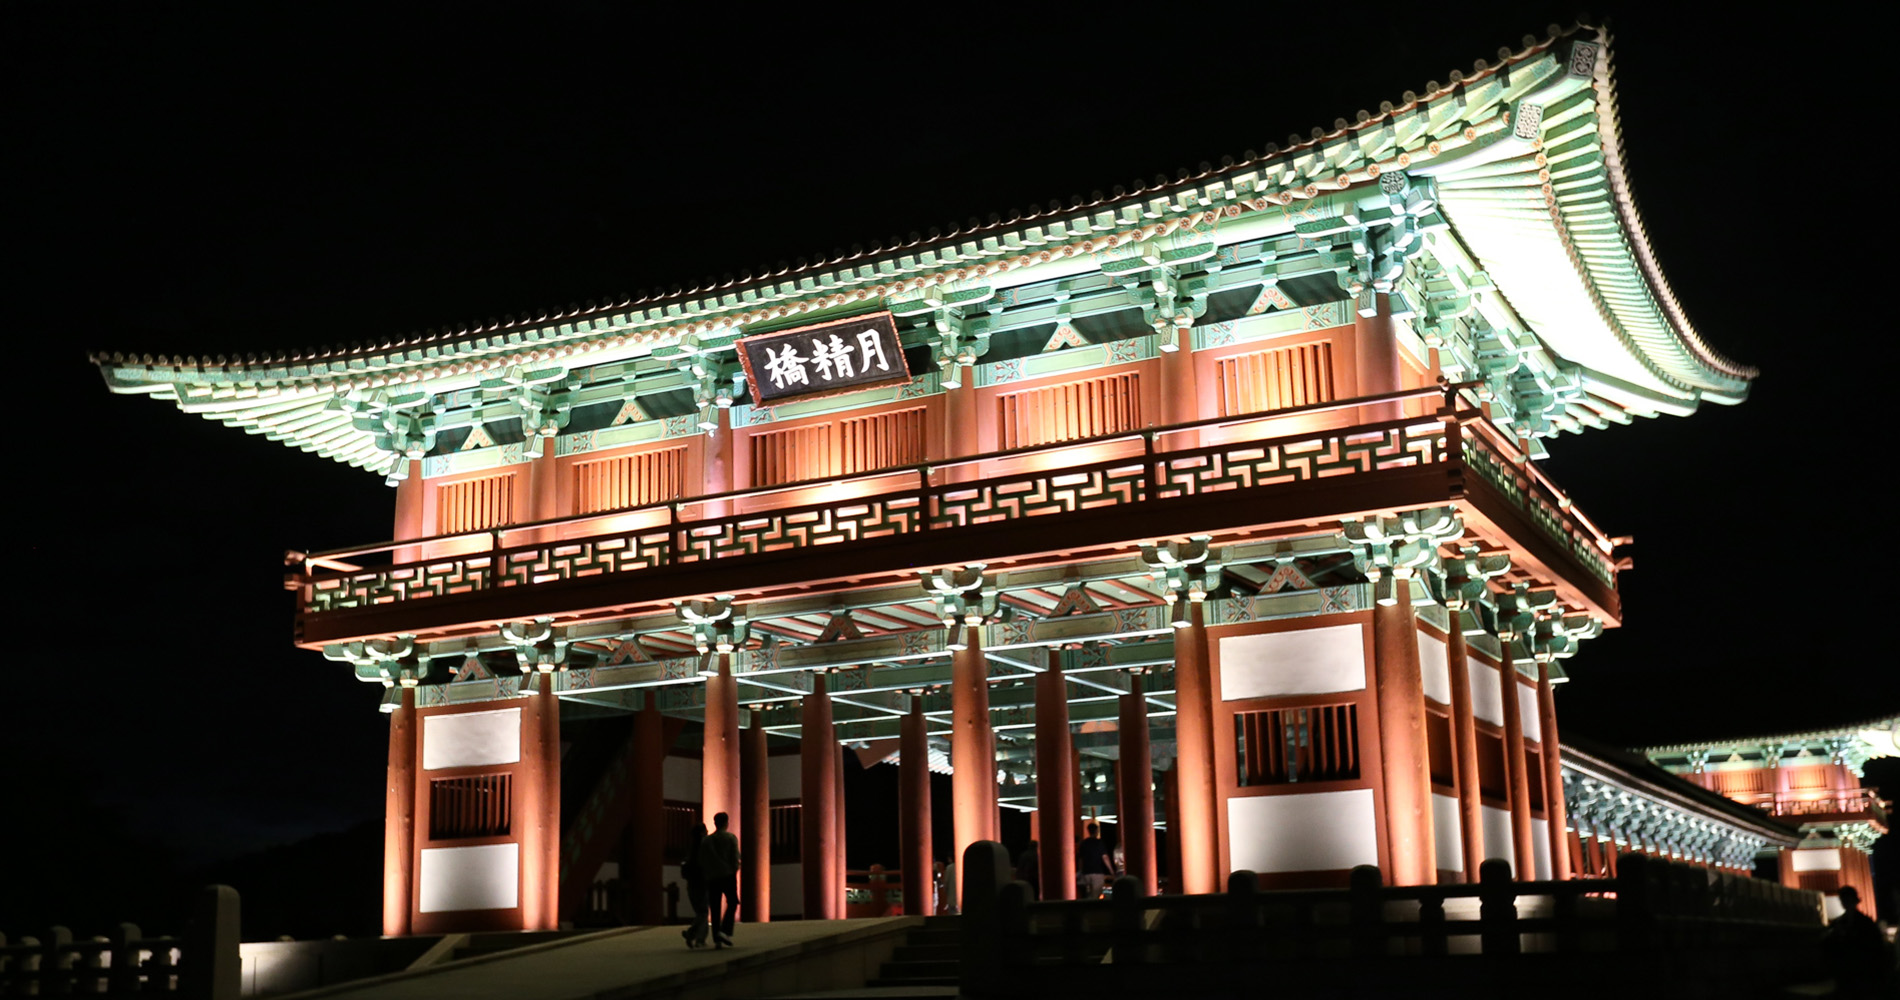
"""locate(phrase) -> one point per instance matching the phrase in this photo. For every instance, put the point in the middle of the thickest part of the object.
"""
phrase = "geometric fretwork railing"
(1526, 487)
(1139, 469)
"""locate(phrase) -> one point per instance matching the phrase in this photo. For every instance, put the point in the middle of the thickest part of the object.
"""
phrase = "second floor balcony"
(1227, 478)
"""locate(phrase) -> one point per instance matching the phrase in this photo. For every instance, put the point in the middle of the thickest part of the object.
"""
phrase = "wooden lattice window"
(1438, 744)
(1752, 781)
(791, 454)
(475, 504)
(629, 480)
(475, 806)
(1491, 772)
(1275, 379)
(1070, 411)
(1285, 745)
(1807, 777)
(1534, 775)
(844, 448)
(881, 441)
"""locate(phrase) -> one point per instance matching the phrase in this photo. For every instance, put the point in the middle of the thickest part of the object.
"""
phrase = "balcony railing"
(1840, 802)
(1161, 464)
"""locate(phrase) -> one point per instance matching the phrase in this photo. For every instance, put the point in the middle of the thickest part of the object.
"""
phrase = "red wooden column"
(718, 466)
(1180, 401)
(1197, 836)
(719, 760)
(755, 811)
(972, 752)
(1135, 787)
(1171, 802)
(1556, 813)
(541, 807)
(399, 817)
(843, 861)
(818, 802)
(913, 808)
(1376, 361)
(1055, 784)
(962, 429)
(1464, 743)
(1517, 779)
(409, 513)
(1402, 748)
(645, 852)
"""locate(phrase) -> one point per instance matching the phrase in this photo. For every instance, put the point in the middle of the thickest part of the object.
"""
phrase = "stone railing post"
(56, 961)
(1368, 910)
(1243, 911)
(124, 942)
(210, 970)
(1635, 900)
(1497, 908)
(985, 870)
(1126, 901)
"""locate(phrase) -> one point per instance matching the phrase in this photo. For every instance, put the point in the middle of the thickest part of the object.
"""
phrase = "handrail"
(923, 469)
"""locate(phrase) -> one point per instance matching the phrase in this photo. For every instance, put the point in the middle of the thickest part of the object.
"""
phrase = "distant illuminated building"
(1808, 778)
(1221, 488)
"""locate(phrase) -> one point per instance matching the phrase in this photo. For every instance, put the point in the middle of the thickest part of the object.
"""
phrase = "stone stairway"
(926, 964)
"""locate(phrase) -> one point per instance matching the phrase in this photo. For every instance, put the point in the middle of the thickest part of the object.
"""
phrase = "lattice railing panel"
(1545, 510)
(1059, 491)
(1299, 459)
(751, 534)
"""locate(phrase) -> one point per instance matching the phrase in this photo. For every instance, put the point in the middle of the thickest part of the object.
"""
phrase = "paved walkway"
(623, 962)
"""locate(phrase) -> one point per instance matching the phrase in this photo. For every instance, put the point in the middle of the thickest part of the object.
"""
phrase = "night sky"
(269, 176)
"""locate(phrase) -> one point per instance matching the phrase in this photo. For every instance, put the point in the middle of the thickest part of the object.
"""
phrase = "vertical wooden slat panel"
(1109, 404)
(1275, 379)
(475, 504)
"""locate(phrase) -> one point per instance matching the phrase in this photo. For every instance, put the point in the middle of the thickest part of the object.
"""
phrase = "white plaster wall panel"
(679, 779)
(1497, 835)
(1431, 662)
(1445, 831)
(1540, 848)
(1831, 907)
(1527, 708)
(471, 739)
(783, 776)
(1824, 859)
(1486, 702)
(1305, 661)
(469, 878)
(1323, 831)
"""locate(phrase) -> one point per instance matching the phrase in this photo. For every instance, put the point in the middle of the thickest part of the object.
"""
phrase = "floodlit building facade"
(1209, 507)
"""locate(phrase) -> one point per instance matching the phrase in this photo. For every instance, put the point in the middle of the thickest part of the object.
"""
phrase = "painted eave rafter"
(1585, 218)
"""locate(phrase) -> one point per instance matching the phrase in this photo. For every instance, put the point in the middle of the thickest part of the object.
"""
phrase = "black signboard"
(824, 359)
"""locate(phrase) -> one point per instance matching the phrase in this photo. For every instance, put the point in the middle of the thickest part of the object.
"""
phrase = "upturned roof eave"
(634, 328)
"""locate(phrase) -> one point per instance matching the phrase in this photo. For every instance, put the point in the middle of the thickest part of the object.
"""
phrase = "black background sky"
(195, 180)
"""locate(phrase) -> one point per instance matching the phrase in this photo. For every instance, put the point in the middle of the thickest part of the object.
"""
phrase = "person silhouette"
(1857, 950)
(719, 861)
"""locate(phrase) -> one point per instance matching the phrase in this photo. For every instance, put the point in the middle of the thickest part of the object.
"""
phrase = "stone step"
(926, 953)
(948, 983)
(896, 971)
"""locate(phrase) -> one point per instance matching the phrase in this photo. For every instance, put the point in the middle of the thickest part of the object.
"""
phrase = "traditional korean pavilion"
(1811, 779)
(1209, 507)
